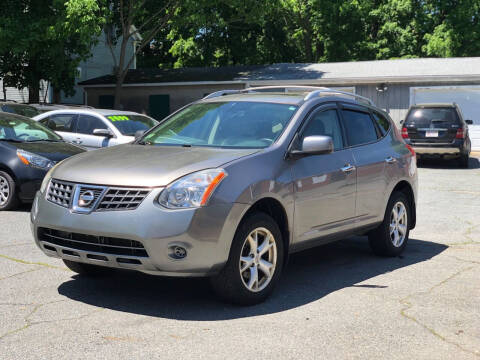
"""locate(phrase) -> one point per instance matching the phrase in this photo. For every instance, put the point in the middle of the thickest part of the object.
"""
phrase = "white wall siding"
(21, 95)
(100, 64)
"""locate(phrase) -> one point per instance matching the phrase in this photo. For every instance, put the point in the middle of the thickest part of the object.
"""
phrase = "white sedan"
(96, 128)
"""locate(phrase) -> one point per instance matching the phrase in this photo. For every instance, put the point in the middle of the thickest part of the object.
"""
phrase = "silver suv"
(229, 186)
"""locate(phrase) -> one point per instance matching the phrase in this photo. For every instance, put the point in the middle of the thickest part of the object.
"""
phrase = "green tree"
(454, 28)
(46, 40)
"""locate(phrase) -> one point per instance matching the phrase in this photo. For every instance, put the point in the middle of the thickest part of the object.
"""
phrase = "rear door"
(324, 184)
(62, 124)
(86, 124)
(432, 125)
(369, 152)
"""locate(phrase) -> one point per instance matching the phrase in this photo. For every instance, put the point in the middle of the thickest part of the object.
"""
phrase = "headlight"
(34, 160)
(192, 190)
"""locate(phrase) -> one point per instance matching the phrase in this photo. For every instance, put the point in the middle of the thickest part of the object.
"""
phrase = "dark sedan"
(27, 151)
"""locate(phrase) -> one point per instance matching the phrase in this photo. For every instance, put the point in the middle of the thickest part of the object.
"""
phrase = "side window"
(87, 123)
(359, 127)
(325, 123)
(382, 122)
(60, 122)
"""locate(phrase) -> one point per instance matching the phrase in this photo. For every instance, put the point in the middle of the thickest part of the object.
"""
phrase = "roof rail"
(222, 93)
(313, 91)
(333, 91)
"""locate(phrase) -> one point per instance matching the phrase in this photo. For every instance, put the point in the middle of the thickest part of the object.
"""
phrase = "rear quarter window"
(382, 122)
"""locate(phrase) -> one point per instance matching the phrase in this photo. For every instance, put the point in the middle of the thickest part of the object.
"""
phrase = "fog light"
(177, 252)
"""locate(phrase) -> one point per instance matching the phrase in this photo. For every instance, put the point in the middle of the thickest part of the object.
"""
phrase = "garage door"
(467, 97)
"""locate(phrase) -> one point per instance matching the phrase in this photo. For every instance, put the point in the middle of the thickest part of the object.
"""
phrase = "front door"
(84, 132)
(324, 185)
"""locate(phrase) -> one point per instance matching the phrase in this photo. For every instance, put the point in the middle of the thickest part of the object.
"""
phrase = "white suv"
(96, 128)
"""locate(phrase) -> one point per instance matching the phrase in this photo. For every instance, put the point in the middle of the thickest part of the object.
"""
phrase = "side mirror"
(103, 132)
(314, 145)
(401, 122)
(469, 122)
(139, 134)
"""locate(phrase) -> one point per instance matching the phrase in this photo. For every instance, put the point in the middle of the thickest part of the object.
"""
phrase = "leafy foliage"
(46, 40)
(229, 32)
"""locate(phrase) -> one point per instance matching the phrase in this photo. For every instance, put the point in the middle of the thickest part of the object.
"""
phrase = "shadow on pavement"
(473, 163)
(309, 276)
(23, 208)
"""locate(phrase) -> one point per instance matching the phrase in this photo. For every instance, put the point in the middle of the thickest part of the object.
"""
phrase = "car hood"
(56, 151)
(142, 165)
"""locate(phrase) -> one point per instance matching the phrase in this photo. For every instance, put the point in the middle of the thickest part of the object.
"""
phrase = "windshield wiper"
(44, 140)
(13, 140)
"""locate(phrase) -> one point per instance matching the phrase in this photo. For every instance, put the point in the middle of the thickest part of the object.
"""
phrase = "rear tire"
(391, 236)
(8, 193)
(464, 158)
(255, 262)
(88, 270)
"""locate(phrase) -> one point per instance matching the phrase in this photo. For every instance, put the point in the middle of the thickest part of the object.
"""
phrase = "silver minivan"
(229, 186)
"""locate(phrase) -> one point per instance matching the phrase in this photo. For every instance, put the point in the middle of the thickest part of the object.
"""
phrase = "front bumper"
(206, 233)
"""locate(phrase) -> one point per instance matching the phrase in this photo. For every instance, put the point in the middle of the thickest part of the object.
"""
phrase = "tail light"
(404, 133)
(411, 150)
(460, 134)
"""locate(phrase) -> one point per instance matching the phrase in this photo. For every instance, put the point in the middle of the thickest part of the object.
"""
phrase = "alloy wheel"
(398, 224)
(258, 259)
(4, 190)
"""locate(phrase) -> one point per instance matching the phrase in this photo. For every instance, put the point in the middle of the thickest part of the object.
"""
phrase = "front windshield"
(130, 124)
(19, 128)
(19, 109)
(236, 124)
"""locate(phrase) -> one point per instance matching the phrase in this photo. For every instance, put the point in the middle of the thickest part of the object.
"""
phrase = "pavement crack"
(32, 262)
(20, 273)
(408, 305)
(464, 260)
(29, 323)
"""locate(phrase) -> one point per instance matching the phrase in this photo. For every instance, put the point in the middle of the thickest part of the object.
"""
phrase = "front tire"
(391, 236)
(8, 194)
(255, 262)
(87, 270)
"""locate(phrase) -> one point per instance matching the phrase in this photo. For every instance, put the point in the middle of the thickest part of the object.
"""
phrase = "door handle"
(348, 168)
(390, 160)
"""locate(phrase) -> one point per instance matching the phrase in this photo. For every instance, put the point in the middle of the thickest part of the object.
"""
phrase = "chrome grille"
(122, 199)
(69, 195)
(60, 193)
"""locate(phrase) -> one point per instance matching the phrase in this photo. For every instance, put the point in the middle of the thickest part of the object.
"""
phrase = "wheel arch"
(9, 171)
(277, 211)
(406, 188)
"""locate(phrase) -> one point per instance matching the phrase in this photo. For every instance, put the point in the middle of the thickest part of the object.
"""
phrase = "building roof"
(402, 70)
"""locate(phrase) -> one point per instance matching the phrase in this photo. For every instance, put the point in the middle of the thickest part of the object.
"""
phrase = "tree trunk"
(34, 92)
(118, 92)
(56, 96)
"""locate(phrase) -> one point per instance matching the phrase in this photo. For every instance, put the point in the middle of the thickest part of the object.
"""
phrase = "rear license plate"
(431, 134)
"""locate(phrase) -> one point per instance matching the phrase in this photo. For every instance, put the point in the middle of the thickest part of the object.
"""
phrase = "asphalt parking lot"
(337, 301)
